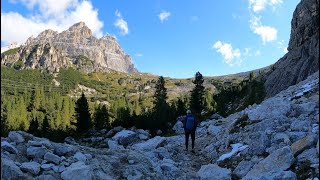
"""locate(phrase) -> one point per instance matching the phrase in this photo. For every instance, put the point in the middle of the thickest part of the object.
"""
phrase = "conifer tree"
(161, 107)
(101, 117)
(181, 109)
(197, 94)
(82, 115)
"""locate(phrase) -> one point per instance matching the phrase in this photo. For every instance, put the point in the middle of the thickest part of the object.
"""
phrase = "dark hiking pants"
(193, 136)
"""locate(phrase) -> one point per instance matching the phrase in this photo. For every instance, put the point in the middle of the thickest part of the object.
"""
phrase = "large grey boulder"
(36, 152)
(309, 154)
(64, 149)
(273, 107)
(279, 160)
(50, 157)
(9, 170)
(243, 168)
(80, 157)
(78, 171)
(214, 130)
(213, 171)
(178, 128)
(150, 144)
(14, 136)
(114, 145)
(41, 142)
(126, 137)
(257, 142)
(302, 144)
(8, 147)
(31, 167)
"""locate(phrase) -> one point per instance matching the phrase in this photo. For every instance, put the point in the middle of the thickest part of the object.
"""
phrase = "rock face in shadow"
(74, 47)
(302, 58)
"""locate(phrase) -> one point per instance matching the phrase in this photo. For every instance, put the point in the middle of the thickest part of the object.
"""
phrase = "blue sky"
(167, 37)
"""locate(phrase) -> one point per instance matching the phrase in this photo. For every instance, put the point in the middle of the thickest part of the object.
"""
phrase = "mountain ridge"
(74, 47)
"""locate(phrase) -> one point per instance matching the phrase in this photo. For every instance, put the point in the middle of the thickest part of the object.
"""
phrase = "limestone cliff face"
(302, 58)
(73, 47)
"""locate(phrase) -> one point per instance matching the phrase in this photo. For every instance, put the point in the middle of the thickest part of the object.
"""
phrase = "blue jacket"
(184, 121)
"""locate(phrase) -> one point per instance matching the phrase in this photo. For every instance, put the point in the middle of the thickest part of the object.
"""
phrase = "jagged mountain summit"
(74, 47)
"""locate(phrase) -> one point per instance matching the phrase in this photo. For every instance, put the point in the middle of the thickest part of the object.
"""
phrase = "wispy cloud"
(139, 54)
(267, 33)
(282, 46)
(260, 5)
(57, 15)
(121, 24)
(231, 56)
(164, 15)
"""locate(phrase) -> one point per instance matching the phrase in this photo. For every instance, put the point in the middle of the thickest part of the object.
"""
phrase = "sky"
(171, 38)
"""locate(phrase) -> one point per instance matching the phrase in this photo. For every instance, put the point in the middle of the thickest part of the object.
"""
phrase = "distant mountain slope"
(303, 56)
(75, 47)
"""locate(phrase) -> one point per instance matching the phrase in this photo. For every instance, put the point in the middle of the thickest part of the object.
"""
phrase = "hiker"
(189, 125)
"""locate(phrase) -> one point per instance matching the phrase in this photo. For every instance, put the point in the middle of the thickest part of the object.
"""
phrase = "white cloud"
(266, 33)
(258, 53)
(282, 46)
(139, 54)
(231, 56)
(164, 15)
(121, 24)
(259, 5)
(57, 15)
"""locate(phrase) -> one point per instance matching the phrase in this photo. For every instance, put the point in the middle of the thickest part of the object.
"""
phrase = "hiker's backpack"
(190, 123)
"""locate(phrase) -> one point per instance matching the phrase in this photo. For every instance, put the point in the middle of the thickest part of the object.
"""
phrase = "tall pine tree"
(82, 115)
(101, 118)
(197, 94)
(161, 107)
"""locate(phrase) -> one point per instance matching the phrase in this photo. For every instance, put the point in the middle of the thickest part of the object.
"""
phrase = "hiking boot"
(186, 150)
(193, 151)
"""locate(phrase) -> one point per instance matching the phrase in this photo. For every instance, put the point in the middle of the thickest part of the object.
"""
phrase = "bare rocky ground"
(276, 139)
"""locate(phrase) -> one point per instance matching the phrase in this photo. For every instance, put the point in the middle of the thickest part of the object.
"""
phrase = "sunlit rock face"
(75, 47)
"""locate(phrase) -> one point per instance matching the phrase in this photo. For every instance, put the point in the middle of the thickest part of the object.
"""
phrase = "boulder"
(213, 171)
(78, 171)
(302, 144)
(273, 107)
(64, 149)
(258, 142)
(9, 170)
(8, 147)
(214, 130)
(46, 167)
(70, 140)
(243, 168)
(114, 146)
(36, 152)
(50, 157)
(42, 142)
(178, 128)
(80, 157)
(300, 125)
(125, 137)
(309, 154)
(14, 136)
(45, 177)
(150, 144)
(283, 175)
(31, 167)
(216, 116)
(279, 160)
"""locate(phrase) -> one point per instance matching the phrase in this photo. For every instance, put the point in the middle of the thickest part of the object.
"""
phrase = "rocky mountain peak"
(305, 23)
(51, 50)
(303, 57)
(80, 29)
